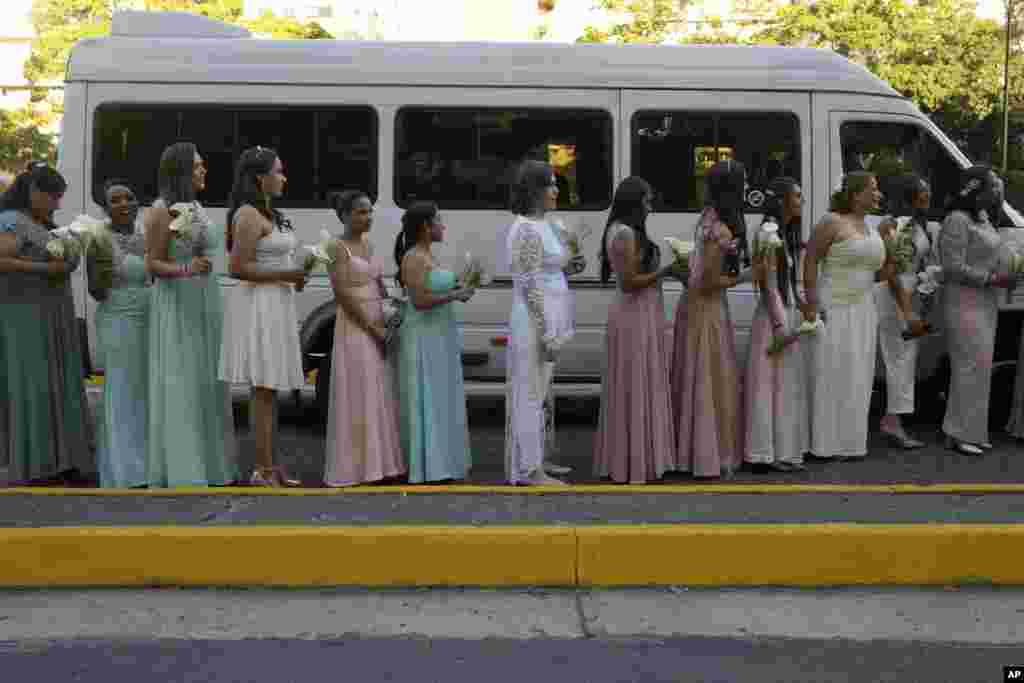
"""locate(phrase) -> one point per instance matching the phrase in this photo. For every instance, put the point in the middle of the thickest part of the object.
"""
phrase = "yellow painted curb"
(675, 489)
(800, 555)
(686, 554)
(286, 556)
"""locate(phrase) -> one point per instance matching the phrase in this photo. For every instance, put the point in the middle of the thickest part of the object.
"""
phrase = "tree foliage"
(636, 21)
(22, 141)
(59, 24)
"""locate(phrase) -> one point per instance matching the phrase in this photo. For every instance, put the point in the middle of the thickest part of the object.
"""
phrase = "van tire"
(1000, 403)
(323, 388)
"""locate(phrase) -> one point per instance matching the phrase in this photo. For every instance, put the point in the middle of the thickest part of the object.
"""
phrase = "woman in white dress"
(540, 323)
(261, 336)
(843, 354)
(900, 321)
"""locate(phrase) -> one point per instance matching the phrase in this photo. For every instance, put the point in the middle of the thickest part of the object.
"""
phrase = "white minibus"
(450, 122)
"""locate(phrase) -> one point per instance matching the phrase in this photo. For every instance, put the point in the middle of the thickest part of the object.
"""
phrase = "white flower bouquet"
(473, 273)
(805, 329)
(768, 241)
(576, 237)
(322, 255)
(394, 314)
(189, 225)
(929, 280)
(681, 251)
(64, 248)
(900, 245)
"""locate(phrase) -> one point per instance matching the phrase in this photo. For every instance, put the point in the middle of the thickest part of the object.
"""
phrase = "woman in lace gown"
(540, 323)
(432, 415)
(775, 391)
(260, 347)
(705, 375)
(118, 282)
(843, 354)
(44, 430)
(191, 436)
(899, 308)
(362, 422)
(635, 435)
(970, 305)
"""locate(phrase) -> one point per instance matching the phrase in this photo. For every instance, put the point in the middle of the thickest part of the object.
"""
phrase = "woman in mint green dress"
(44, 433)
(191, 438)
(118, 282)
(432, 416)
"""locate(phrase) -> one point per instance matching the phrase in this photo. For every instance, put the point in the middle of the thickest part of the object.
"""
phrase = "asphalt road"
(301, 448)
(426, 660)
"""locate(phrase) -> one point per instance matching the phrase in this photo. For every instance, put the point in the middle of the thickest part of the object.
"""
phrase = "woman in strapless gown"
(842, 356)
(362, 423)
(432, 416)
(261, 336)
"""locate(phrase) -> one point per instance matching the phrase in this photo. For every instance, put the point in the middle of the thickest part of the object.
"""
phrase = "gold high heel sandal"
(263, 476)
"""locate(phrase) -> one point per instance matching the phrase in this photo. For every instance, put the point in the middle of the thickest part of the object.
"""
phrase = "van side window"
(323, 149)
(466, 158)
(889, 149)
(673, 150)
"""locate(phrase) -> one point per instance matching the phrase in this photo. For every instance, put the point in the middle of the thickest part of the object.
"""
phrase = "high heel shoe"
(281, 476)
(264, 476)
(904, 440)
(962, 447)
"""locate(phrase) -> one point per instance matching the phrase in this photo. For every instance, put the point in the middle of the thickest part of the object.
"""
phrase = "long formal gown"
(970, 254)
(432, 415)
(122, 336)
(363, 443)
(541, 309)
(44, 425)
(635, 436)
(842, 357)
(191, 438)
(261, 334)
(899, 354)
(706, 379)
(775, 388)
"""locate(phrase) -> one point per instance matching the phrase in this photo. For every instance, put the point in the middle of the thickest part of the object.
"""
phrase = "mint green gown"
(432, 416)
(191, 439)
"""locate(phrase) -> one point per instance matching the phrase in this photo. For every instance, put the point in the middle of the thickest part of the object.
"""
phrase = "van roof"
(149, 51)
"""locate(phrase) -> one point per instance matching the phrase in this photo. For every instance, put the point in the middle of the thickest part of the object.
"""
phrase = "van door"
(671, 139)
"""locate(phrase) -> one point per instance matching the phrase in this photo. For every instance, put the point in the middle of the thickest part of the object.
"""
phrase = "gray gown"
(970, 254)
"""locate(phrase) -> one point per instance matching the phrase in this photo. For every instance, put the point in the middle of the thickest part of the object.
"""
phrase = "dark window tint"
(466, 158)
(889, 149)
(322, 149)
(673, 150)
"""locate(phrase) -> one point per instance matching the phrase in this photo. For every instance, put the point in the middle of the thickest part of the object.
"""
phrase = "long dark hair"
(775, 197)
(37, 175)
(725, 185)
(532, 178)
(254, 162)
(412, 220)
(343, 202)
(908, 186)
(174, 178)
(628, 209)
(973, 182)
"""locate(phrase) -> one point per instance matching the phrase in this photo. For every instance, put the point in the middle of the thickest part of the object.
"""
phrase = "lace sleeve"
(529, 255)
(954, 241)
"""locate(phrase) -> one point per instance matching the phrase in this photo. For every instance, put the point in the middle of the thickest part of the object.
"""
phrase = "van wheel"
(323, 387)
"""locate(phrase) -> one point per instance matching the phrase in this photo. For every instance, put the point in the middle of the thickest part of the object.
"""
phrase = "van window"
(323, 149)
(889, 149)
(673, 150)
(466, 158)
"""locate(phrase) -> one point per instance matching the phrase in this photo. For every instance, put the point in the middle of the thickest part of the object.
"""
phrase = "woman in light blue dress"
(191, 439)
(118, 281)
(432, 416)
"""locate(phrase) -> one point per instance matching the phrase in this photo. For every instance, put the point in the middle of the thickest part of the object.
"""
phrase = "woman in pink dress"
(362, 423)
(705, 377)
(775, 394)
(635, 437)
